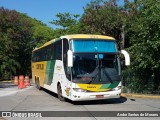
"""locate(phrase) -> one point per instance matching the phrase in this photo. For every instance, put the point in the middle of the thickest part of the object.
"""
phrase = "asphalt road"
(31, 99)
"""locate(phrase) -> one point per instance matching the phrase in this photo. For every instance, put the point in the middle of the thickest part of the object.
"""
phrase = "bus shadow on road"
(95, 102)
(50, 92)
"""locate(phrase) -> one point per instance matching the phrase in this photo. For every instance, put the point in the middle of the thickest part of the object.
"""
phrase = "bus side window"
(58, 50)
(49, 52)
(65, 49)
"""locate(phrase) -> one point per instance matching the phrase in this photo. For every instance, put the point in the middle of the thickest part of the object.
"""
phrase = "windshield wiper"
(91, 75)
(96, 73)
(108, 76)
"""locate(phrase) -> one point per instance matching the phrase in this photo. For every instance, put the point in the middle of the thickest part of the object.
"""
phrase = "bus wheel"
(59, 90)
(38, 85)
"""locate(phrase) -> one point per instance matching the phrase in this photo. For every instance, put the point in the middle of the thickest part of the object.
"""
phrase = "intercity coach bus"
(79, 67)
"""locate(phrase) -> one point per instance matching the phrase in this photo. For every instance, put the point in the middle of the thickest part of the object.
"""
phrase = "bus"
(79, 67)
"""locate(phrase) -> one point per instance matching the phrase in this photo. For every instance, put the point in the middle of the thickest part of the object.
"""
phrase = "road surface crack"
(19, 104)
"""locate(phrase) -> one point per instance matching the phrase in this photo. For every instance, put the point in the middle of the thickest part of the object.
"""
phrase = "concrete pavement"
(31, 99)
(10, 89)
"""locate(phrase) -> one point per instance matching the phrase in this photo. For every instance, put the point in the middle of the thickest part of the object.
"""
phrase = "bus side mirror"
(126, 56)
(70, 58)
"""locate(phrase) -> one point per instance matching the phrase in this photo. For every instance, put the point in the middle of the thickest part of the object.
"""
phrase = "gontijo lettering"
(40, 66)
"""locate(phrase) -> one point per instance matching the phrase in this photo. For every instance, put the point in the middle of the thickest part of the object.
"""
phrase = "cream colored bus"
(79, 67)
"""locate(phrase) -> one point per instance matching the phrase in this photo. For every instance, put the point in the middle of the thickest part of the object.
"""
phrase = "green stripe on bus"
(104, 86)
(49, 72)
(113, 85)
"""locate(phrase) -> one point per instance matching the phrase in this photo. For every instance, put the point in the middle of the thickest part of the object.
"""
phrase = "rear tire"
(59, 90)
(37, 84)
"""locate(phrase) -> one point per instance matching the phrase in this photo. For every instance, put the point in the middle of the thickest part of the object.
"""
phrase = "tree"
(141, 22)
(42, 33)
(67, 23)
(17, 33)
(103, 17)
(144, 36)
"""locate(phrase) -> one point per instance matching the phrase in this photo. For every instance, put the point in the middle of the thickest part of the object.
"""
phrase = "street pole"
(123, 36)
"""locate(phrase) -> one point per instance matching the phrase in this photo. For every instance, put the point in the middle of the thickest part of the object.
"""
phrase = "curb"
(140, 96)
(7, 81)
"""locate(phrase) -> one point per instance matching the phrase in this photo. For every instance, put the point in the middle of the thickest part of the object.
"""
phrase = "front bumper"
(83, 96)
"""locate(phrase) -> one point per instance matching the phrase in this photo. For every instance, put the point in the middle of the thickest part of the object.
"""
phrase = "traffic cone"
(27, 81)
(21, 82)
(16, 80)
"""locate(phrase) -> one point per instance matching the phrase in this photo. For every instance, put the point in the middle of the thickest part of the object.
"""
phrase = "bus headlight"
(79, 90)
(117, 88)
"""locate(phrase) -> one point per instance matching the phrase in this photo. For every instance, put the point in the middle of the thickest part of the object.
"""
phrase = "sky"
(45, 10)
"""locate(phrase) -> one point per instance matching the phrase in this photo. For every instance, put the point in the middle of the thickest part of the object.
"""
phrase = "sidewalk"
(8, 91)
(6, 84)
(9, 88)
(12, 91)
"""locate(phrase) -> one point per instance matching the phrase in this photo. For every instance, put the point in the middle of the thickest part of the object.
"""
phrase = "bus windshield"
(92, 64)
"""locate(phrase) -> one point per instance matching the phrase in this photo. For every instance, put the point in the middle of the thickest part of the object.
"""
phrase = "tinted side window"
(51, 52)
(58, 50)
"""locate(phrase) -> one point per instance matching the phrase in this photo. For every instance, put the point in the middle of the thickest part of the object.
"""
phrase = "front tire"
(59, 90)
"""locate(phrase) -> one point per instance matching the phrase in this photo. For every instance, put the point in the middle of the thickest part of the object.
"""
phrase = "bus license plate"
(99, 96)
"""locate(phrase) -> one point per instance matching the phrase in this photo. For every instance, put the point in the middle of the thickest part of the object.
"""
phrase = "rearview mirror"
(70, 58)
(126, 56)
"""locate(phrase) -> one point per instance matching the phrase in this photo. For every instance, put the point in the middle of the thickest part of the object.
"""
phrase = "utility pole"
(123, 36)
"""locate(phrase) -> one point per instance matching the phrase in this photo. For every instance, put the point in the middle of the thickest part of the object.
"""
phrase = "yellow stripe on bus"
(92, 87)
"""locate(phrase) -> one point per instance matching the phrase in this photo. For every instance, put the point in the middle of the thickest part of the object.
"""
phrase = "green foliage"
(42, 34)
(67, 23)
(103, 17)
(136, 84)
(17, 33)
(14, 39)
(65, 20)
(145, 43)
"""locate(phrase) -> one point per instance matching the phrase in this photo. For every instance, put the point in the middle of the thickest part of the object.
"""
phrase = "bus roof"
(87, 36)
(45, 44)
(77, 36)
